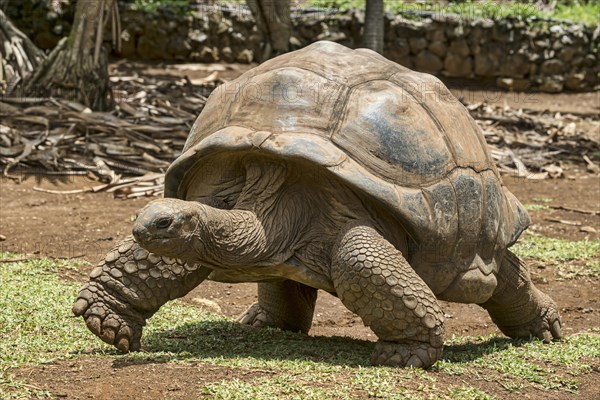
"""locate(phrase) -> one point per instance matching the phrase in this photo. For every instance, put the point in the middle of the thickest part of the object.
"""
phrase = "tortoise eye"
(163, 222)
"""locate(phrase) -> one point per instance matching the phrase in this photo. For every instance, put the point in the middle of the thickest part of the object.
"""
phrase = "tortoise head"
(193, 231)
(171, 227)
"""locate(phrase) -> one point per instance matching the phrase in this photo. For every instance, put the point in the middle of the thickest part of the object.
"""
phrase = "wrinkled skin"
(518, 308)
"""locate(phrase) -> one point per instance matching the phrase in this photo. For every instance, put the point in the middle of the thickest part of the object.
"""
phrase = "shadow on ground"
(230, 340)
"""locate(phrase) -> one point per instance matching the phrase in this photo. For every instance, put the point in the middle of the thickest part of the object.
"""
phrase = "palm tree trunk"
(373, 31)
(274, 21)
(77, 68)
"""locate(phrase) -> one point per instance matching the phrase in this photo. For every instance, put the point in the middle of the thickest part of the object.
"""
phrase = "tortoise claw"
(546, 326)
(257, 317)
(80, 307)
(94, 324)
(123, 345)
(408, 354)
(120, 329)
(556, 329)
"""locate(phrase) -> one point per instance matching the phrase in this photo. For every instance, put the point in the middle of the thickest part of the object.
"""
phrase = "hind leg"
(373, 279)
(286, 305)
(519, 308)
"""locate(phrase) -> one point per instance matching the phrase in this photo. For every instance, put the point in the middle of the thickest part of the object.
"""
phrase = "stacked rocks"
(539, 54)
(516, 54)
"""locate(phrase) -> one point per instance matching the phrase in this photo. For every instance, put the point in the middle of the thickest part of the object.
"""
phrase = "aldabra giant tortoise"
(333, 169)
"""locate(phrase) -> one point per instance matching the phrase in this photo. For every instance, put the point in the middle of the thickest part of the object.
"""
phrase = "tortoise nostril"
(163, 222)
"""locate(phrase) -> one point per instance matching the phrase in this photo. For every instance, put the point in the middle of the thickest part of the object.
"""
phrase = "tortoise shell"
(395, 135)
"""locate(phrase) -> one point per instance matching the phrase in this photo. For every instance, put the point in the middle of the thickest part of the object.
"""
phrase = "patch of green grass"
(10, 388)
(524, 362)
(541, 204)
(464, 9)
(583, 12)
(571, 271)
(372, 383)
(572, 258)
(221, 341)
(389, 383)
(283, 386)
(469, 393)
(342, 5)
(153, 6)
(553, 249)
(513, 364)
(36, 327)
(577, 11)
(536, 207)
(485, 9)
(35, 322)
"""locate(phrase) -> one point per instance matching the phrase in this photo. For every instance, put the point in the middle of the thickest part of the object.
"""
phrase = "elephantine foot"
(109, 318)
(520, 309)
(545, 326)
(257, 317)
(409, 354)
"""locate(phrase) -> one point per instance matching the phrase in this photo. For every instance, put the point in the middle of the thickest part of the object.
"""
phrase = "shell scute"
(462, 135)
(467, 186)
(287, 100)
(392, 135)
(443, 207)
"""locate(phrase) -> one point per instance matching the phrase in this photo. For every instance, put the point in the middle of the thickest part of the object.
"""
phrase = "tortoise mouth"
(165, 245)
(144, 237)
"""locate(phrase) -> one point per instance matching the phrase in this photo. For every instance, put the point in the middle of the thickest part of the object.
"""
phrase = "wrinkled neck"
(233, 238)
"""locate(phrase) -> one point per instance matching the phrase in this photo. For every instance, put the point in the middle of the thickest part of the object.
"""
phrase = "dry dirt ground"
(87, 226)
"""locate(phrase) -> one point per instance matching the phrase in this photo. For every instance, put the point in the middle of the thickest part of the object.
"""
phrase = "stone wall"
(543, 55)
(517, 54)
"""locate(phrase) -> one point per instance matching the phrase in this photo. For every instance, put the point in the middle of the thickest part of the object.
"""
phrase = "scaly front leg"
(128, 287)
(373, 279)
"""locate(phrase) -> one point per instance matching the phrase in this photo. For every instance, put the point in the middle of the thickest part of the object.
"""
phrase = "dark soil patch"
(103, 378)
